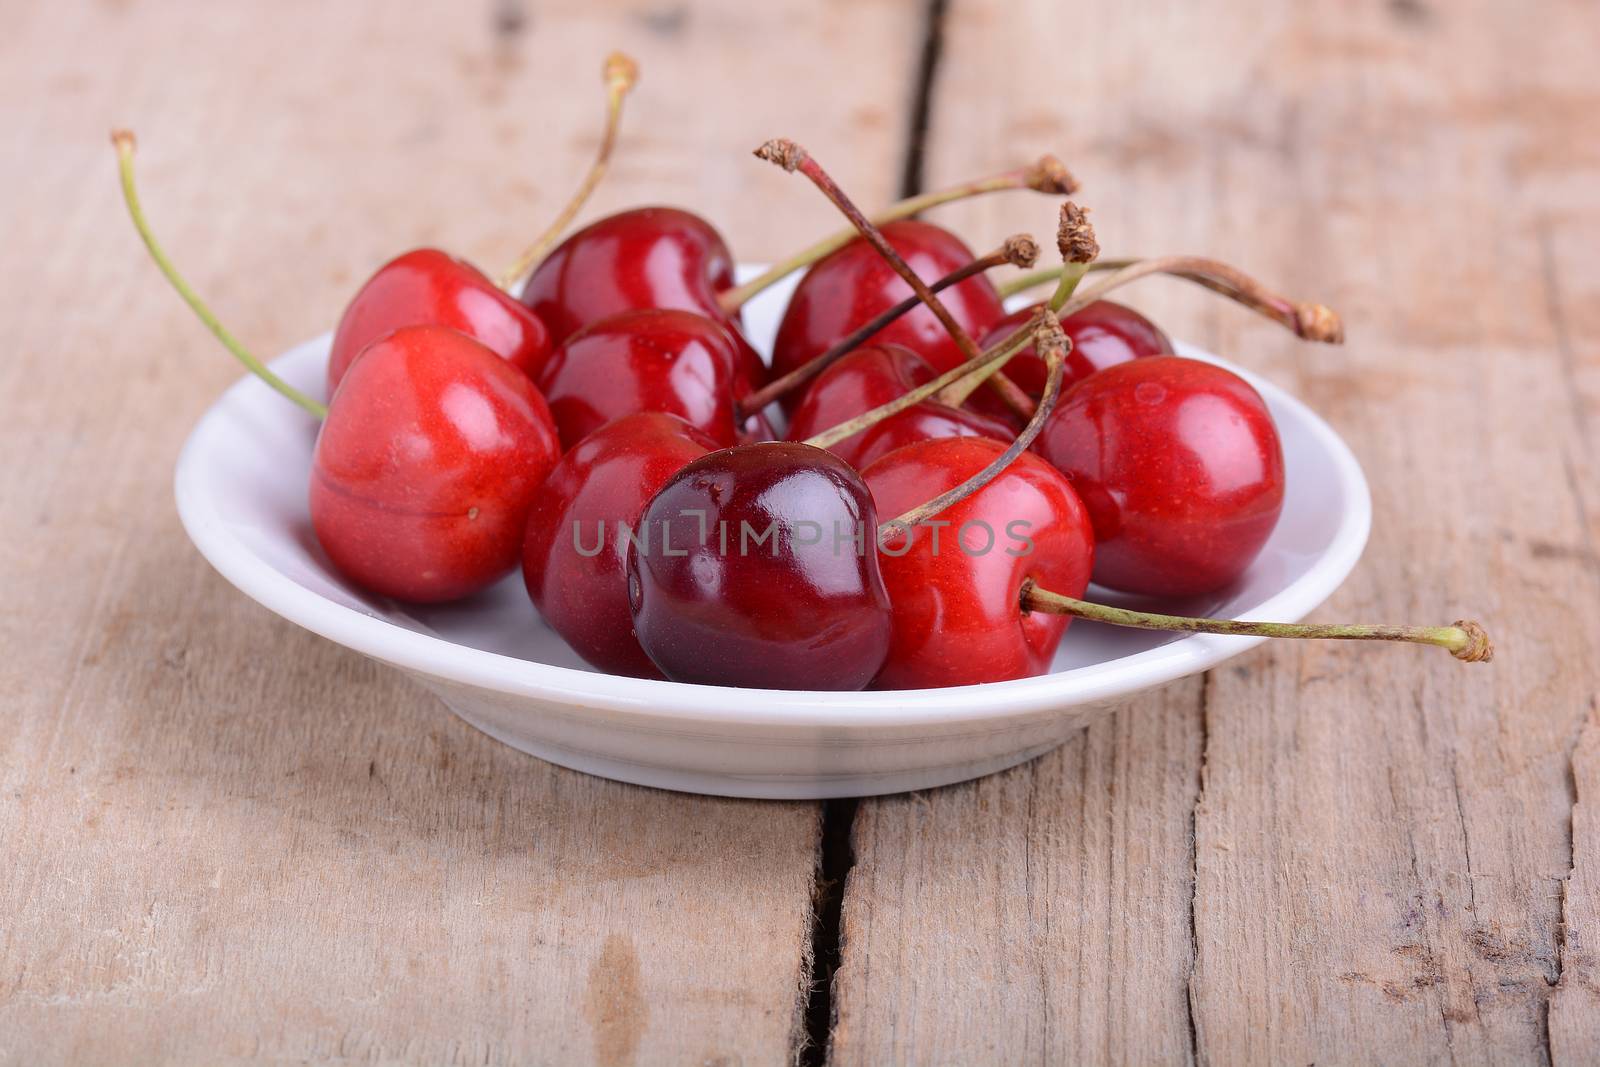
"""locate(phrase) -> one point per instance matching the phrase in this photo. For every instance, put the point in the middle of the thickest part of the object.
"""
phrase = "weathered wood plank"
(226, 839)
(1024, 917)
(1382, 835)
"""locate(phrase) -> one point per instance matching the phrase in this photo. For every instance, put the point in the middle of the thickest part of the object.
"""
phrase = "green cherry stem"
(1076, 241)
(1018, 250)
(1052, 345)
(1466, 640)
(621, 74)
(125, 144)
(1044, 175)
(1034, 278)
(1010, 346)
(1307, 320)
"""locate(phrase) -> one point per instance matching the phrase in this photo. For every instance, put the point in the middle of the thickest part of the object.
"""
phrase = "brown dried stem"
(1018, 250)
(791, 157)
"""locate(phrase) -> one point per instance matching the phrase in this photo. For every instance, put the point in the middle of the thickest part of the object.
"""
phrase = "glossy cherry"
(853, 284)
(649, 257)
(1103, 334)
(429, 287)
(658, 359)
(876, 375)
(759, 571)
(1180, 467)
(574, 554)
(426, 466)
(956, 586)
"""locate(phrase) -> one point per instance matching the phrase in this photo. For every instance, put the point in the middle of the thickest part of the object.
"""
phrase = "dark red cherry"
(956, 586)
(426, 466)
(658, 359)
(849, 287)
(755, 568)
(1103, 334)
(1179, 464)
(870, 377)
(573, 556)
(426, 287)
(649, 257)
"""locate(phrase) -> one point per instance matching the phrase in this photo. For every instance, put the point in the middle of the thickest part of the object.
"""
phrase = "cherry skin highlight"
(426, 466)
(574, 554)
(1180, 467)
(760, 572)
(1103, 334)
(956, 589)
(870, 377)
(657, 359)
(427, 287)
(649, 257)
(849, 287)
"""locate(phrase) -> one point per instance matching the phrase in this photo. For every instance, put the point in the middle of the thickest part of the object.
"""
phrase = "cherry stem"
(1045, 175)
(1023, 282)
(1466, 640)
(792, 157)
(1052, 344)
(125, 144)
(1307, 320)
(1076, 241)
(1018, 250)
(621, 74)
(1019, 339)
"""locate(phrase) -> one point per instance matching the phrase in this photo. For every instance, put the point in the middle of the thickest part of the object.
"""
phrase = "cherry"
(754, 567)
(649, 257)
(876, 375)
(426, 286)
(426, 467)
(955, 584)
(1179, 465)
(1018, 250)
(853, 284)
(429, 452)
(1102, 334)
(655, 359)
(574, 554)
(429, 286)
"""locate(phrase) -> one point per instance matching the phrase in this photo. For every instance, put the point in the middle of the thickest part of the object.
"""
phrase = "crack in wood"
(835, 857)
(835, 852)
(1194, 870)
(911, 177)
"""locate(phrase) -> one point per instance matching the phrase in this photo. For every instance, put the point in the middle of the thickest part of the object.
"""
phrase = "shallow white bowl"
(241, 491)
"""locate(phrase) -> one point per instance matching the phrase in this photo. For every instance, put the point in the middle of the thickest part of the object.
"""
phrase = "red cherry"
(956, 588)
(657, 359)
(869, 377)
(427, 464)
(1179, 464)
(853, 284)
(573, 556)
(1103, 334)
(427, 287)
(649, 257)
(757, 570)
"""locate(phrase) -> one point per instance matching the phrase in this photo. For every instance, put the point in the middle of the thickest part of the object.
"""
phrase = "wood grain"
(226, 839)
(1386, 863)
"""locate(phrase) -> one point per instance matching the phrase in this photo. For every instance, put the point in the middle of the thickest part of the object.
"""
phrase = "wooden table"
(224, 839)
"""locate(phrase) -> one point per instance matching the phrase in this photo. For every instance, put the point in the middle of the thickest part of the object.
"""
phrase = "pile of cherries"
(948, 480)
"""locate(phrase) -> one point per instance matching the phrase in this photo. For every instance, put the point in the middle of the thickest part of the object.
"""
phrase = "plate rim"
(676, 702)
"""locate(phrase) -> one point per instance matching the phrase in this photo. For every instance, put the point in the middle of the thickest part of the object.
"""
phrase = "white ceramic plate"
(241, 491)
